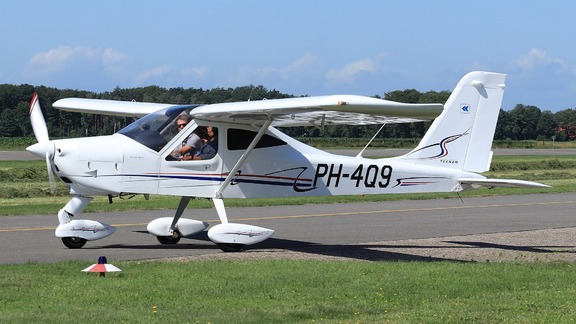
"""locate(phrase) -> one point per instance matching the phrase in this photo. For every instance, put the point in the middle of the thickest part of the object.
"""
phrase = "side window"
(200, 144)
(190, 144)
(239, 139)
(210, 147)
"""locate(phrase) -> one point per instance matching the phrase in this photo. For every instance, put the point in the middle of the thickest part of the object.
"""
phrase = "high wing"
(109, 107)
(304, 111)
(318, 111)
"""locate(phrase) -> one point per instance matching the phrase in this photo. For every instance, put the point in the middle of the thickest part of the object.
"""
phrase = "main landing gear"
(231, 247)
(229, 237)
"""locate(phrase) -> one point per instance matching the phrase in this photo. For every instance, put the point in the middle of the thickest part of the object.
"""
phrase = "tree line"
(523, 122)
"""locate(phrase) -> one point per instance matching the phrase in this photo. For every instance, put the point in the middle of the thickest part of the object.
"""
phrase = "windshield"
(156, 129)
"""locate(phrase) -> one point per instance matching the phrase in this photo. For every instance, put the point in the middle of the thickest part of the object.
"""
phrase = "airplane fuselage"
(115, 164)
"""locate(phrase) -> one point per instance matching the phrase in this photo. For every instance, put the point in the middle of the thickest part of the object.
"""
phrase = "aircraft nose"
(40, 149)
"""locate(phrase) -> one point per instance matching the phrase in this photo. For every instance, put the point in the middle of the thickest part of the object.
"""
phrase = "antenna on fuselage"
(251, 92)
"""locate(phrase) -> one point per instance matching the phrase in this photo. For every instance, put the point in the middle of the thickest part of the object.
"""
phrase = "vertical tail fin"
(461, 137)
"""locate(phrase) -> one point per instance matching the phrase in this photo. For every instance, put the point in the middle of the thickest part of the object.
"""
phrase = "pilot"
(190, 144)
(208, 150)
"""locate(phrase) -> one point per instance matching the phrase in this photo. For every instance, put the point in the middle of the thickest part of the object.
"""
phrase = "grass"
(290, 291)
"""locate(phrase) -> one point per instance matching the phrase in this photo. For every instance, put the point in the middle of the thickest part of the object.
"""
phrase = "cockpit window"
(156, 129)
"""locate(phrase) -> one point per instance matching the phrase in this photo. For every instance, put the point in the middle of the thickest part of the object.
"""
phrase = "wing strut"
(373, 137)
(243, 158)
(221, 210)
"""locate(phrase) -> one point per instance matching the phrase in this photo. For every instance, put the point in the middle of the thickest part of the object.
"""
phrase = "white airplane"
(255, 159)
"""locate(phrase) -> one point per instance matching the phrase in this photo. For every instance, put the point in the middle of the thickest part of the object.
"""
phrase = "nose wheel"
(73, 242)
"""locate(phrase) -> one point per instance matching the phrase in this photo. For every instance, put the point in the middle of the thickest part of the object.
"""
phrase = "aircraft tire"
(168, 239)
(73, 242)
(231, 247)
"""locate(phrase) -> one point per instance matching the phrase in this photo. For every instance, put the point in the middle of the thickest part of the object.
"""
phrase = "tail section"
(461, 137)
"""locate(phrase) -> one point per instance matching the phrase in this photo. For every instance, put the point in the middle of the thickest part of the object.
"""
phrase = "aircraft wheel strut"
(73, 242)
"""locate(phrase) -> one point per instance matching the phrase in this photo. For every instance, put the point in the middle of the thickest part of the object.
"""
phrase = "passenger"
(190, 144)
(208, 150)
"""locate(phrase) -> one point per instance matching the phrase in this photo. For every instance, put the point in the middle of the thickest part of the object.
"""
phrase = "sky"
(299, 47)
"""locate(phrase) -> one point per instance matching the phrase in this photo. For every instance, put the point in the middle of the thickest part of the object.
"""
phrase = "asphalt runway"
(325, 229)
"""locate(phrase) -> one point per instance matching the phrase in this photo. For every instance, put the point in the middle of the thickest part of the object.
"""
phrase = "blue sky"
(300, 47)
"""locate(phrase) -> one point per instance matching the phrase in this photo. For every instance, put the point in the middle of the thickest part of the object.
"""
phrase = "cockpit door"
(197, 178)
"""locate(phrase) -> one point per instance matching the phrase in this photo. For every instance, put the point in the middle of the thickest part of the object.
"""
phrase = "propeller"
(44, 148)
(37, 120)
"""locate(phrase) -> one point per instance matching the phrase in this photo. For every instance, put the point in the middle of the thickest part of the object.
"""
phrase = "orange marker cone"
(102, 267)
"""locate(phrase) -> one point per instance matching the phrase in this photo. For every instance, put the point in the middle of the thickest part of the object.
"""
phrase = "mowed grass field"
(285, 291)
(289, 291)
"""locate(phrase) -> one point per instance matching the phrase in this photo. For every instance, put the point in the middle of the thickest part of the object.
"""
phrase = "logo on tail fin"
(465, 108)
(442, 146)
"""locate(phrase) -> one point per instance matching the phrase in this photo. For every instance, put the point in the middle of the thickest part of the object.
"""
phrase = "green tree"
(502, 131)
(405, 96)
(8, 125)
(523, 121)
(565, 124)
(546, 126)
(434, 97)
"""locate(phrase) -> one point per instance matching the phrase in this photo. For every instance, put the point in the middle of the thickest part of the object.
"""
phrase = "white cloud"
(157, 72)
(63, 58)
(301, 64)
(63, 54)
(57, 59)
(110, 56)
(538, 58)
(350, 71)
(199, 72)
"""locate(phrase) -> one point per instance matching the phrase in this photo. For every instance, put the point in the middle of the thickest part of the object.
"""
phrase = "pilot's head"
(182, 121)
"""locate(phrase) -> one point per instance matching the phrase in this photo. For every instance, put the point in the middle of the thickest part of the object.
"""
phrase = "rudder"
(461, 137)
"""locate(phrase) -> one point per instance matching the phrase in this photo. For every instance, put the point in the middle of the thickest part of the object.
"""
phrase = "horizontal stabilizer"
(492, 183)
